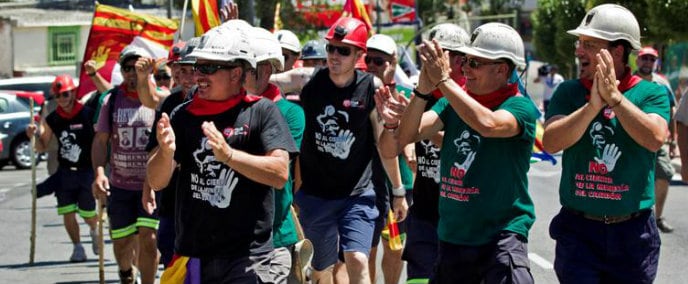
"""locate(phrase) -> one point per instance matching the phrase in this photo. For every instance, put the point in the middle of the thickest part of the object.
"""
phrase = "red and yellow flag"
(205, 14)
(356, 9)
(112, 29)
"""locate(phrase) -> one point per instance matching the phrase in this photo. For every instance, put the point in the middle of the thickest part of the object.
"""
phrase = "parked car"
(15, 115)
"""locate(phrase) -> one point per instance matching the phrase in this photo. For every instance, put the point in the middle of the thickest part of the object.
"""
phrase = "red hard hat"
(176, 52)
(648, 50)
(63, 83)
(350, 31)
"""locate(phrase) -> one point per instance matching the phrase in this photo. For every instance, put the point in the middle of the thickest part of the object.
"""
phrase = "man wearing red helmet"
(664, 171)
(72, 125)
(337, 207)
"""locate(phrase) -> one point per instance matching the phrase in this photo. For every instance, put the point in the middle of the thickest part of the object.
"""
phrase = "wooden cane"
(33, 187)
(101, 241)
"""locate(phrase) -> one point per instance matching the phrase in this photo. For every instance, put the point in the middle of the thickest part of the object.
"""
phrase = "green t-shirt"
(606, 172)
(483, 181)
(284, 229)
(404, 170)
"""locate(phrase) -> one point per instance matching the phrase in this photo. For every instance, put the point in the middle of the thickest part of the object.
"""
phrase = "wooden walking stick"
(101, 241)
(33, 188)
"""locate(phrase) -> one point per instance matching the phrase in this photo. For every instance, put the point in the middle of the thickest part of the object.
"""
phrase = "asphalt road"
(53, 248)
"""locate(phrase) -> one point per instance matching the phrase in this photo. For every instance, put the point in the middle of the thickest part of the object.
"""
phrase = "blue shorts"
(74, 192)
(504, 260)
(329, 224)
(590, 251)
(420, 250)
(127, 214)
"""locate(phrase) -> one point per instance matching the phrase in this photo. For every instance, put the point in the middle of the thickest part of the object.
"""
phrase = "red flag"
(356, 9)
(394, 237)
(113, 29)
(205, 14)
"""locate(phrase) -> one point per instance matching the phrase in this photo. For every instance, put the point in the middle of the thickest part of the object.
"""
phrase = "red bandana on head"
(272, 93)
(200, 106)
(75, 109)
(628, 81)
(496, 98)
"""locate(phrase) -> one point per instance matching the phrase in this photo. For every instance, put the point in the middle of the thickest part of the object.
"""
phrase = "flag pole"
(181, 29)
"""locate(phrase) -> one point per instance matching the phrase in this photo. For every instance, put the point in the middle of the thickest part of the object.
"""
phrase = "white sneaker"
(78, 254)
(94, 241)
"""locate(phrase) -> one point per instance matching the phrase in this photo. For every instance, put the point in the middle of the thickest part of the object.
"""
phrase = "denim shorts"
(330, 224)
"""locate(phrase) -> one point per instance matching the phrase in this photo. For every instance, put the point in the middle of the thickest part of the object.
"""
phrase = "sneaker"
(94, 241)
(663, 226)
(78, 254)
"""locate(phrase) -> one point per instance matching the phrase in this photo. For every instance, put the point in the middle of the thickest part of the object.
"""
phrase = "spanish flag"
(206, 15)
(356, 9)
(112, 29)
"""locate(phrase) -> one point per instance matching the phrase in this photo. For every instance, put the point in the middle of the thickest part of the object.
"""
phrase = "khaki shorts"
(663, 168)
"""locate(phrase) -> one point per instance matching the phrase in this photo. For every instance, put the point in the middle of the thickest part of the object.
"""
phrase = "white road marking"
(540, 261)
(3, 193)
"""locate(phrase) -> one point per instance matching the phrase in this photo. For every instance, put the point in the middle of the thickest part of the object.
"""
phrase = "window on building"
(64, 43)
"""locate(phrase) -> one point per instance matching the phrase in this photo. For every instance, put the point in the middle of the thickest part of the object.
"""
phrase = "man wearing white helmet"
(269, 60)
(291, 47)
(232, 149)
(420, 251)
(609, 124)
(489, 130)
(124, 123)
(313, 54)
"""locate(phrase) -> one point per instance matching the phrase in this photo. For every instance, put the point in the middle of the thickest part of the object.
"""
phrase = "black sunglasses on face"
(379, 61)
(475, 64)
(162, 77)
(342, 50)
(209, 69)
(63, 95)
(127, 68)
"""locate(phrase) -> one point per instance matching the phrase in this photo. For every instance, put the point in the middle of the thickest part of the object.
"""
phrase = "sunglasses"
(162, 77)
(475, 64)
(127, 68)
(342, 50)
(210, 69)
(63, 95)
(648, 58)
(379, 61)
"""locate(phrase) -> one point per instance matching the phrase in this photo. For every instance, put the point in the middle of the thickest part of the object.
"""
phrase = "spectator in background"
(664, 171)
(163, 75)
(291, 47)
(549, 76)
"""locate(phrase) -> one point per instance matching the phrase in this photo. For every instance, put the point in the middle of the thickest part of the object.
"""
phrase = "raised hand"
(229, 11)
(607, 85)
(389, 107)
(90, 66)
(435, 61)
(144, 67)
(216, 141)
(165, 135)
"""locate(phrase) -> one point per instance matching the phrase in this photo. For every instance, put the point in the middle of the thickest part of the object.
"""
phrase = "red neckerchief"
(628, 81)
(272, 93)
(133, 95)
(200, 106)
(496, 98)
(437, 94)
(75, 109)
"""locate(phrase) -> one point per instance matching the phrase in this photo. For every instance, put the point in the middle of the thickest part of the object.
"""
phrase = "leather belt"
(606, 219)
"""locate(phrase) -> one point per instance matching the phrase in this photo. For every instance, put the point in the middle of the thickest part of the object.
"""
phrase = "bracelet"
(425, 97)
(229, 157)
(615, 105)
(390, 126)
(442, 81)
(91, 74)
(399, 192)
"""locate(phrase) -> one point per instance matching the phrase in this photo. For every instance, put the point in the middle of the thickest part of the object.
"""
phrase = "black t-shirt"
(426, 186)
(169, 103)
(220, 213)
(74, 136)
(338, 142)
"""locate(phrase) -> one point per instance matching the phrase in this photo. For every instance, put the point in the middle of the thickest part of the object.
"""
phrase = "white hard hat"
(610, 22)
(495, 41)
(449, 36)
(288, 40)
(383, 43)
(267, 48)
(225, 43)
